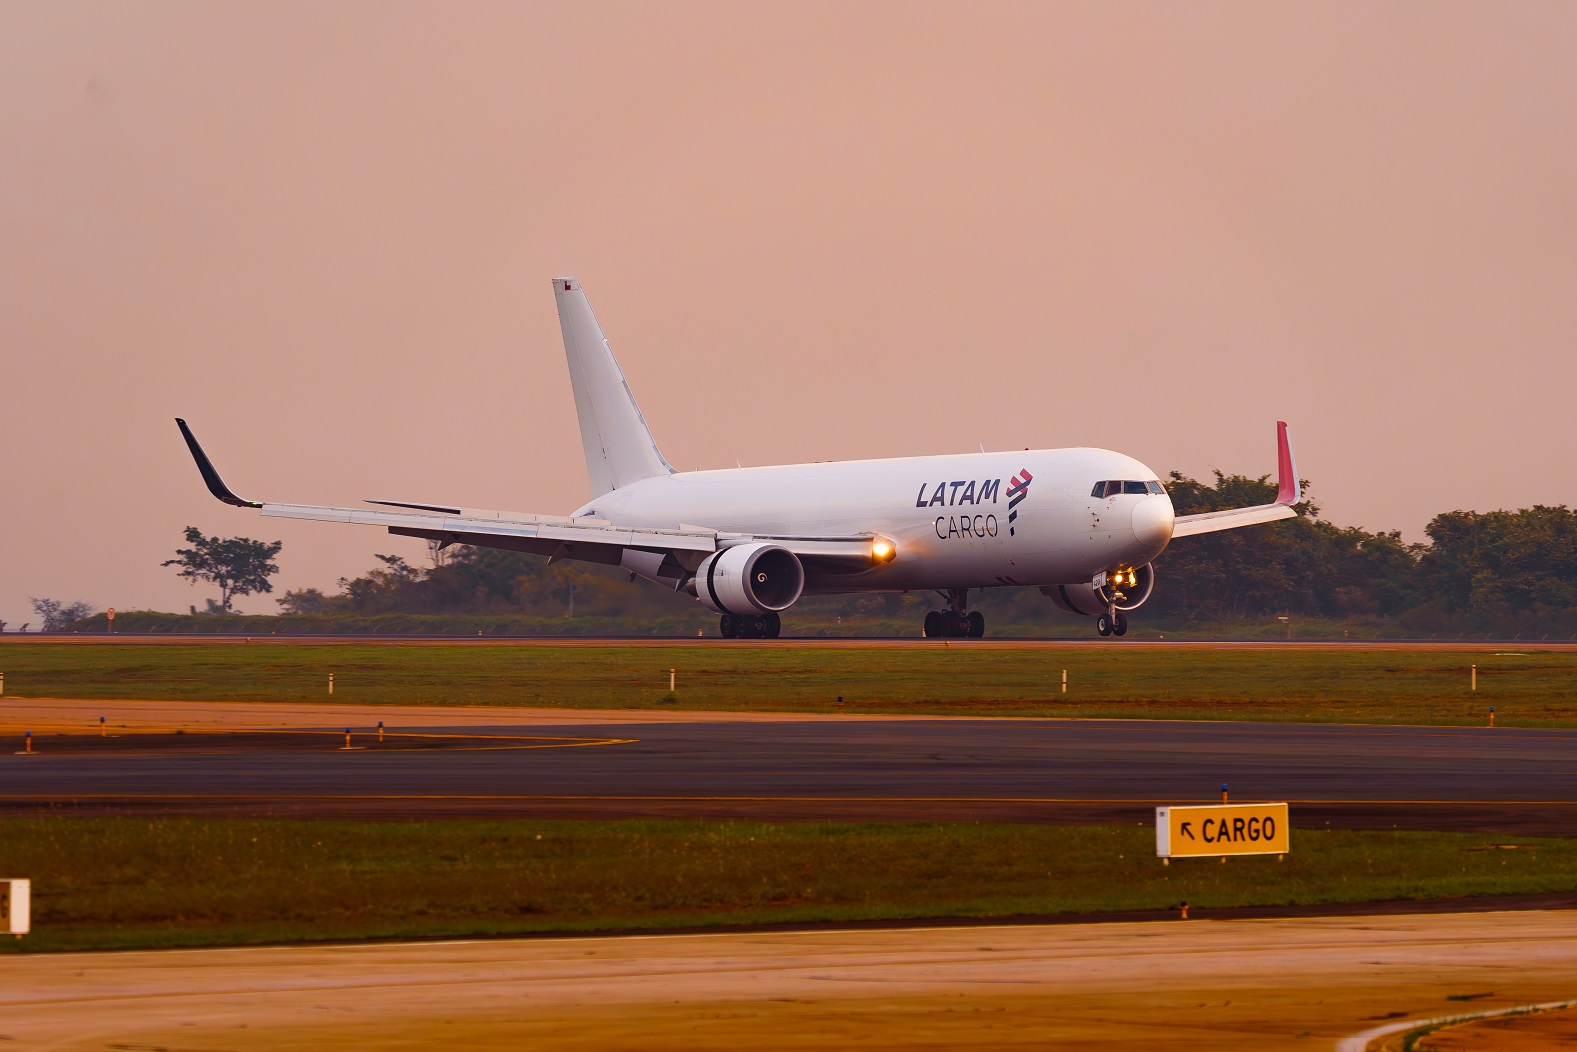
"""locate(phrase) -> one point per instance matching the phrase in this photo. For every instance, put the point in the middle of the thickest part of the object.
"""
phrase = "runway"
(1217, 986)
(1146, 641)
(290, 760)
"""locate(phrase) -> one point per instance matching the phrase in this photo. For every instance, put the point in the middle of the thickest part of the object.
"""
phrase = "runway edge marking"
(1360, 1042)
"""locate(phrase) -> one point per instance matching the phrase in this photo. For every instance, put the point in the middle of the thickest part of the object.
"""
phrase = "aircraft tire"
(727, 626)
(1120, 624)
(774, 627)
(977, 624)
(1103, 625)
(933, 624)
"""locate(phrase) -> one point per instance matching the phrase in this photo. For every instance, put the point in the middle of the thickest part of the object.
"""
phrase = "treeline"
(489, 581)
(1506, 572)
(1503, 573)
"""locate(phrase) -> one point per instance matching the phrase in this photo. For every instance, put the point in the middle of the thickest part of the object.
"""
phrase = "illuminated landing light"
(883, 550)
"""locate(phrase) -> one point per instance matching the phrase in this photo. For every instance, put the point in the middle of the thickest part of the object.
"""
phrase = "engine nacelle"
(1089, 600)
(750, 579)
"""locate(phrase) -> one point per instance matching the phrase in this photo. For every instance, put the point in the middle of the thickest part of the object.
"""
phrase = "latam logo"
(1018, 489)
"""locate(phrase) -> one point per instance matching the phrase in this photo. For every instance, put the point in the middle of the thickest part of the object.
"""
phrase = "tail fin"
(619, 446)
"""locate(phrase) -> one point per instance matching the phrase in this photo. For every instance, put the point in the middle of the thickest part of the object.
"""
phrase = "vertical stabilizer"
(619, 446)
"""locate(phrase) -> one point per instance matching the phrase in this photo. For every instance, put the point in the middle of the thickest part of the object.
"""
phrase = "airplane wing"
(667, 556)
(1289, 491)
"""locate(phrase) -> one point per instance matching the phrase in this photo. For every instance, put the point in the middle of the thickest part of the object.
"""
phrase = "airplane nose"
(1152, 520)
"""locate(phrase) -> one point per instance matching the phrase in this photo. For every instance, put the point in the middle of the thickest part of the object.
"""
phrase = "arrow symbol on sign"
(1189, 833)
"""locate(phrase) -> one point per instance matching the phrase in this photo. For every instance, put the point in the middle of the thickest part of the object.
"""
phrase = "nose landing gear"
(1114, 622)
(957, 622)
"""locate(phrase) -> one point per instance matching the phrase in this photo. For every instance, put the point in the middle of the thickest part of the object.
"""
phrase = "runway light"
(883, 550)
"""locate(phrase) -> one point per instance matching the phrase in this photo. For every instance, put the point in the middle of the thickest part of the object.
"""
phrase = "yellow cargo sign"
(1221, 829)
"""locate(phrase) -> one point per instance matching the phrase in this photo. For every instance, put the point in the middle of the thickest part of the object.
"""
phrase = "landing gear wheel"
(1103, 625)
(750, 626)
(933, 624)
(977, 624)
(1120, 624)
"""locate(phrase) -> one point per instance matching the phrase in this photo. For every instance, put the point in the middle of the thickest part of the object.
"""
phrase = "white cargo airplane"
(1082, 525)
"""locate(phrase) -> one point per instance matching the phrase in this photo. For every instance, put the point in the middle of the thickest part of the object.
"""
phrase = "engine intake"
(750, 579)
(1088, 600)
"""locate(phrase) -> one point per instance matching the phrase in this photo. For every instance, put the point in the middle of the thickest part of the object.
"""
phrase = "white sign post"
(16, 900)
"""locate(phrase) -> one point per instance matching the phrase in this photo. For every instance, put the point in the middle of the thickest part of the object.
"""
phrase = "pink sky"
(323, 232)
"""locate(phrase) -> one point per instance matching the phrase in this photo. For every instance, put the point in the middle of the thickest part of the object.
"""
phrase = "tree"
(238, 565)
(57, 615)
(1504, 568)
(305, 601)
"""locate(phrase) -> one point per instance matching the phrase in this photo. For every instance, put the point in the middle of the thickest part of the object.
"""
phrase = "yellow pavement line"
(562, 741)
(1361, 1041)
(1148, 801)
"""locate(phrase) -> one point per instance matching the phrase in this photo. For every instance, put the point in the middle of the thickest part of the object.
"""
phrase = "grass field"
(1528, 688)
(123, 883)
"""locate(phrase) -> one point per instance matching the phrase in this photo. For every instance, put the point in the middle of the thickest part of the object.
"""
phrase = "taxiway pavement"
(286, 760)
(1221, 986)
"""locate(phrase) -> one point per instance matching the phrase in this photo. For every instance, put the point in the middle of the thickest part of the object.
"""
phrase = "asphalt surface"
(1495, 780)
(1244, 986)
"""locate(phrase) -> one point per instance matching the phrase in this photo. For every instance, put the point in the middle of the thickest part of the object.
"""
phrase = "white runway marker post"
(1065, 681)
(1475, 678)
(671, 674)
(16, 897)
(331, 683)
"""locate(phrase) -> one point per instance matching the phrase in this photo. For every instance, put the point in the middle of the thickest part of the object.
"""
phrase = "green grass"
(123, 883)
(1528, 688)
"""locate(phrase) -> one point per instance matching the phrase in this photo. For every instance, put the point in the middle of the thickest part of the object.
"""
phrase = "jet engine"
(1131, 587)
(750, 579)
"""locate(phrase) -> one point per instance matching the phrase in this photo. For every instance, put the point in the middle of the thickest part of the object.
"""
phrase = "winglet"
(1289, 489)
(216, 485)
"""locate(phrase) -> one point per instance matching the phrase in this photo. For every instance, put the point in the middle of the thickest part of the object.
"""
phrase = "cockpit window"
(1114, 488)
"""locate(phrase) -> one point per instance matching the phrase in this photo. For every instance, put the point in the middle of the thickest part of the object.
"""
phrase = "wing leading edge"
(1289, 491)
(666, 556)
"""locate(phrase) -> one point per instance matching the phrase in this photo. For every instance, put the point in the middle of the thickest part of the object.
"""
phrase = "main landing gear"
(750, 626)
(957, 622)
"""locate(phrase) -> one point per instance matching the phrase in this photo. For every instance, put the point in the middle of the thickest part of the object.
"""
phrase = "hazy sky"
(323, 233)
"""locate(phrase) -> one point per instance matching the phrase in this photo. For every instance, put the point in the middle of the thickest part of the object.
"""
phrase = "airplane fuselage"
(1081, 524)
(959, 521)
